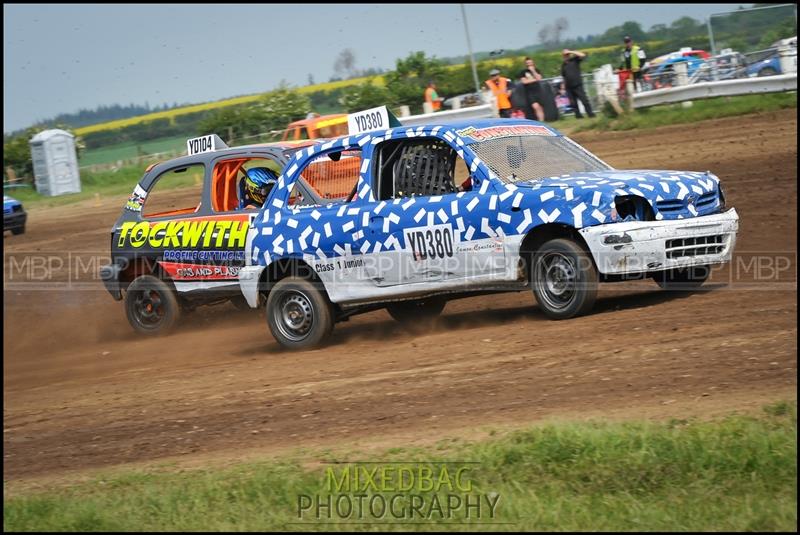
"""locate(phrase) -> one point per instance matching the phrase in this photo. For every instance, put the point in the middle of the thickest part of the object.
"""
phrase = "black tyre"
(298, 313)
(682, 279)
(151, 305)
(767, 71)
(16, 231)
(564, 279)
(417, 314)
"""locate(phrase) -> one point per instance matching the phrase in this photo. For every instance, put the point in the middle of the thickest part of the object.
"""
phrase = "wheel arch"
(541, 234)
(143, 265)
(286, 267)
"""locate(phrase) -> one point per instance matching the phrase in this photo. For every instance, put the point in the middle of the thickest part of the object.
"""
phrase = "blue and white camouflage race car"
(14, 215)
(442, 211)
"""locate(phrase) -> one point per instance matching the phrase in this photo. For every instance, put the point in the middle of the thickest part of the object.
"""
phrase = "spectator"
(432, 97)
(573, 81)
(633, 58)
(500, 88)
(530, 77)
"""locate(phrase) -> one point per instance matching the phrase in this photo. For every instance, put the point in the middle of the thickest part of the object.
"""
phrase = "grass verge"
(128, 150)
(738, 473)
(699, 110)
(93, 184)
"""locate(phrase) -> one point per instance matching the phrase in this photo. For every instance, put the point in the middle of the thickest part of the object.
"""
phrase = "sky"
(60, 58)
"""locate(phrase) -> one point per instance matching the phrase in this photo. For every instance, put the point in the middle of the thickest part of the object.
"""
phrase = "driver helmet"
(256, 185)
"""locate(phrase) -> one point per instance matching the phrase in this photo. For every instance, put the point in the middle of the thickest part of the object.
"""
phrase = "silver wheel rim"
(556, 280)
(295, 315)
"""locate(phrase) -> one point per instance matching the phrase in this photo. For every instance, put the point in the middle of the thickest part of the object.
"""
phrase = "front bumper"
(646, 246)
(14, 220)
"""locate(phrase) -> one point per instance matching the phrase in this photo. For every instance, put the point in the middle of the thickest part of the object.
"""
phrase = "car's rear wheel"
(151, 305)
(299, 314)
(16, 231)
(564, 279)
(682, 279)
(418, 313)
(767, 71)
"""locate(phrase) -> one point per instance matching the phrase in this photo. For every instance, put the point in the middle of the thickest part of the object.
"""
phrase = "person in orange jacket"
(500, 88)
(433, 97)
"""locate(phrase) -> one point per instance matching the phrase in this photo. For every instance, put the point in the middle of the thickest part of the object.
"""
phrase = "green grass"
(700, 110)
(101, 183)
(738, 473)
(125, 151)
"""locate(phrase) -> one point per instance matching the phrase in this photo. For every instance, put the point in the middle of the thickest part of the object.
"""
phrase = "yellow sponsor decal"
(184, 234)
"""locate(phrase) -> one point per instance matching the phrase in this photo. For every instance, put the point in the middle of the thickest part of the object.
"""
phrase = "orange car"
(316, 127)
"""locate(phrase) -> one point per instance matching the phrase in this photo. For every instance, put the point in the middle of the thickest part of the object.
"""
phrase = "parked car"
(316, 126)
(660, 71)
(14, 215)
(449, 210)
(727, 65)
(771, 64)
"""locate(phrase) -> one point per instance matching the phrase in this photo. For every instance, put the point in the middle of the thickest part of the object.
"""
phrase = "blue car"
(660, 72)
(14, 215)
(448, 210)
(771, 64)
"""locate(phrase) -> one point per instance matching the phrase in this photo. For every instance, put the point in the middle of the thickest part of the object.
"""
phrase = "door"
(434, 226)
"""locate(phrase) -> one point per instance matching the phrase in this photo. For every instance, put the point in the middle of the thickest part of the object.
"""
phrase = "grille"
(695, 246)
(705, 201)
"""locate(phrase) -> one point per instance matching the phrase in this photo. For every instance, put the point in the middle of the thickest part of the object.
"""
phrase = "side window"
(303, 133)
(419, 167)
(175, 192)
(228, 189)
(333, 176)
(299, 197)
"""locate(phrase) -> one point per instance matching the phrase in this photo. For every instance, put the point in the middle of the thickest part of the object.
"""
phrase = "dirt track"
(81, 390)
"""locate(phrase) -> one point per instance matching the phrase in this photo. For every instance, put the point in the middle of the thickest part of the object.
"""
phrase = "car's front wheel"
(151, 305)
(564, 279)
(299, 314)
(16, 231)
(682, 279)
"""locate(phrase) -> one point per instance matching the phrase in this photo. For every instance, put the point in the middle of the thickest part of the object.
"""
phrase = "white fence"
(723, 88)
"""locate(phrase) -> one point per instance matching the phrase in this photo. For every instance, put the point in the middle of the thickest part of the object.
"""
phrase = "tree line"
(100, 114)
(404, 85)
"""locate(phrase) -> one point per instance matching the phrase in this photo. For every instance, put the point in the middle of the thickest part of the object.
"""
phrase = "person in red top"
(433, 97)
(499, 86)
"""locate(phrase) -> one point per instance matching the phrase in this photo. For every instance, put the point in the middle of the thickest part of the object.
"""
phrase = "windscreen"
(532, 157)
